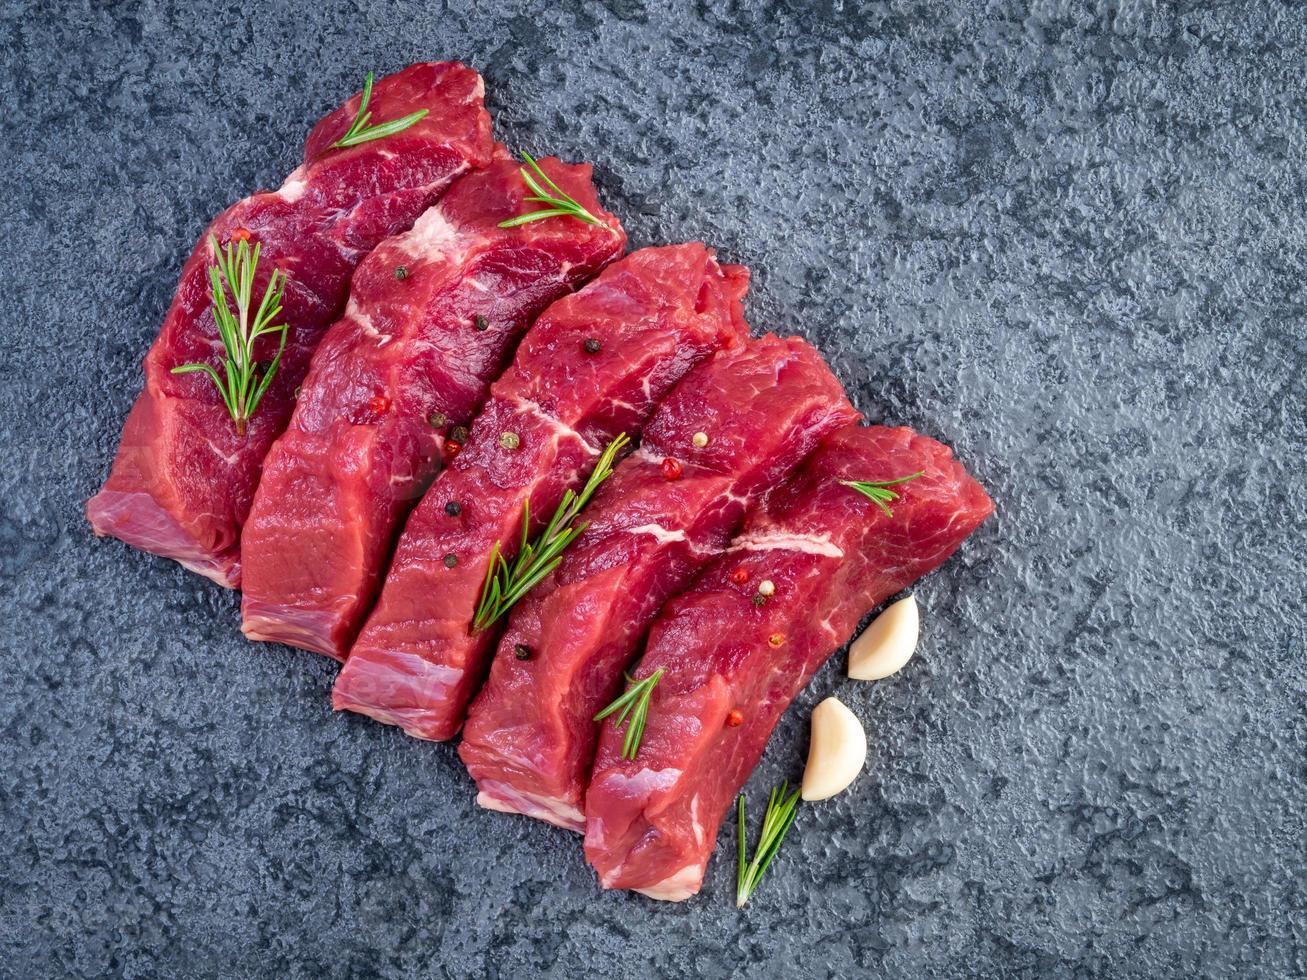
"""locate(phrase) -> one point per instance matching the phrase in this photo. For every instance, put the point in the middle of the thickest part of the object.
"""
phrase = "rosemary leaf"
(877, 491)
(233, 273)
(633, 703)
(506, 583)
(561, 204)
(776, 822)
(360, 132)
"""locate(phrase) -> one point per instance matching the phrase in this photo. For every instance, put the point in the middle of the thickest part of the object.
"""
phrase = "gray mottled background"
(1067, 239)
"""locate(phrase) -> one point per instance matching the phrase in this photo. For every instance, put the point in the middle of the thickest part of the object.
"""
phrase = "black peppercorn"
(401, 272)
(453, 508)
(437, 420)
(759, 600)
(481, 322)
(592, 346)
(451, 560)
(521, 651)
(459, 434)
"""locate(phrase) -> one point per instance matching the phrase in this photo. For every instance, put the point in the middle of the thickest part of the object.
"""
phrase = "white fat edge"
(560, 427)
(432, 236)
(695, 822)
(658, 533)
(807, 544)
(676, 887)
(644, 781)
(355, 312)
(554, 811)
(292, 189)
(229, 460)
(478, 91)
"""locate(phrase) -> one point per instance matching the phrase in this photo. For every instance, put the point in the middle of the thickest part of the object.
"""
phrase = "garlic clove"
(836, 752)
(887, 644)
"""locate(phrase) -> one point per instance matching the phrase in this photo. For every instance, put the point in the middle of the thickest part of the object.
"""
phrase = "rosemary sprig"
(505, 584)
(877, 491)
(561, 205)
(233, 272)
(635, 704)
(359, 130)
(775, 823)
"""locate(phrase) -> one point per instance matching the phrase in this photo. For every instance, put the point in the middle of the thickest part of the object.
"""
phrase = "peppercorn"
(759, 601)
(437, 420)
(735, 719)
(451, 560)
(480, 322)
(452, 448)
(699, 440)
(740, 575)
(401, 272)
(776, 640)
(766, 587)
(521, 651)
(459, 434)
(240, 235)
(453, 508)
(671, 468)
(592, 346)
(509, 440)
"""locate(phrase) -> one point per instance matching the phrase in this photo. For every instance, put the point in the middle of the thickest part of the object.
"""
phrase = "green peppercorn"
(401, 272)
(509, 440)
(451, 560)
(481, 323)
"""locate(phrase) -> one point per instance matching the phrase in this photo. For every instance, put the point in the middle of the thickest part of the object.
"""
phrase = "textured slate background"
(1068, 239)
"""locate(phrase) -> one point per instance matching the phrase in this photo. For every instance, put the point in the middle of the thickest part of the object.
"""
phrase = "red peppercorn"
(735, 719)
(240, 235)
(379, 403)
(671, 468)
(740, 576)
(452, 448)
(776, 639)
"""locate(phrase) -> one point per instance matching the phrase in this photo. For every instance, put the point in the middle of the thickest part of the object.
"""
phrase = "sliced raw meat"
(592, 367)
(183, 479)
(432, 317)
(668, 510)
(731, 666)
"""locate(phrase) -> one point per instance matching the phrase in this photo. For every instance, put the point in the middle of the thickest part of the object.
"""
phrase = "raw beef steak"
(433, 315)
(591, 368)
(668, 510)
(731, 666)
(183, 479)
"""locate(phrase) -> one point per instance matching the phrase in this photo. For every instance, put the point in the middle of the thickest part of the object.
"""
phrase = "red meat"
(183, 479)
(731, 667)
(433, 315)
(668, 510)
(592, 366)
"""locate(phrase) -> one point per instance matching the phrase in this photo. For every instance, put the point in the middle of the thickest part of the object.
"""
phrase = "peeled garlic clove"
(837, 750)
(887, 644)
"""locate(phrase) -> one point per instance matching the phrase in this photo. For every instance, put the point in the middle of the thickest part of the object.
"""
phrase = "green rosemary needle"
(877, 491)
(359, 130)
(506, 583)
(776, 822)
(560, 202)
(633, 703)
(234, 272)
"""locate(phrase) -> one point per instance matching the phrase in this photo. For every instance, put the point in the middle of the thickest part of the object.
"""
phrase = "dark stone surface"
(1068, 240)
